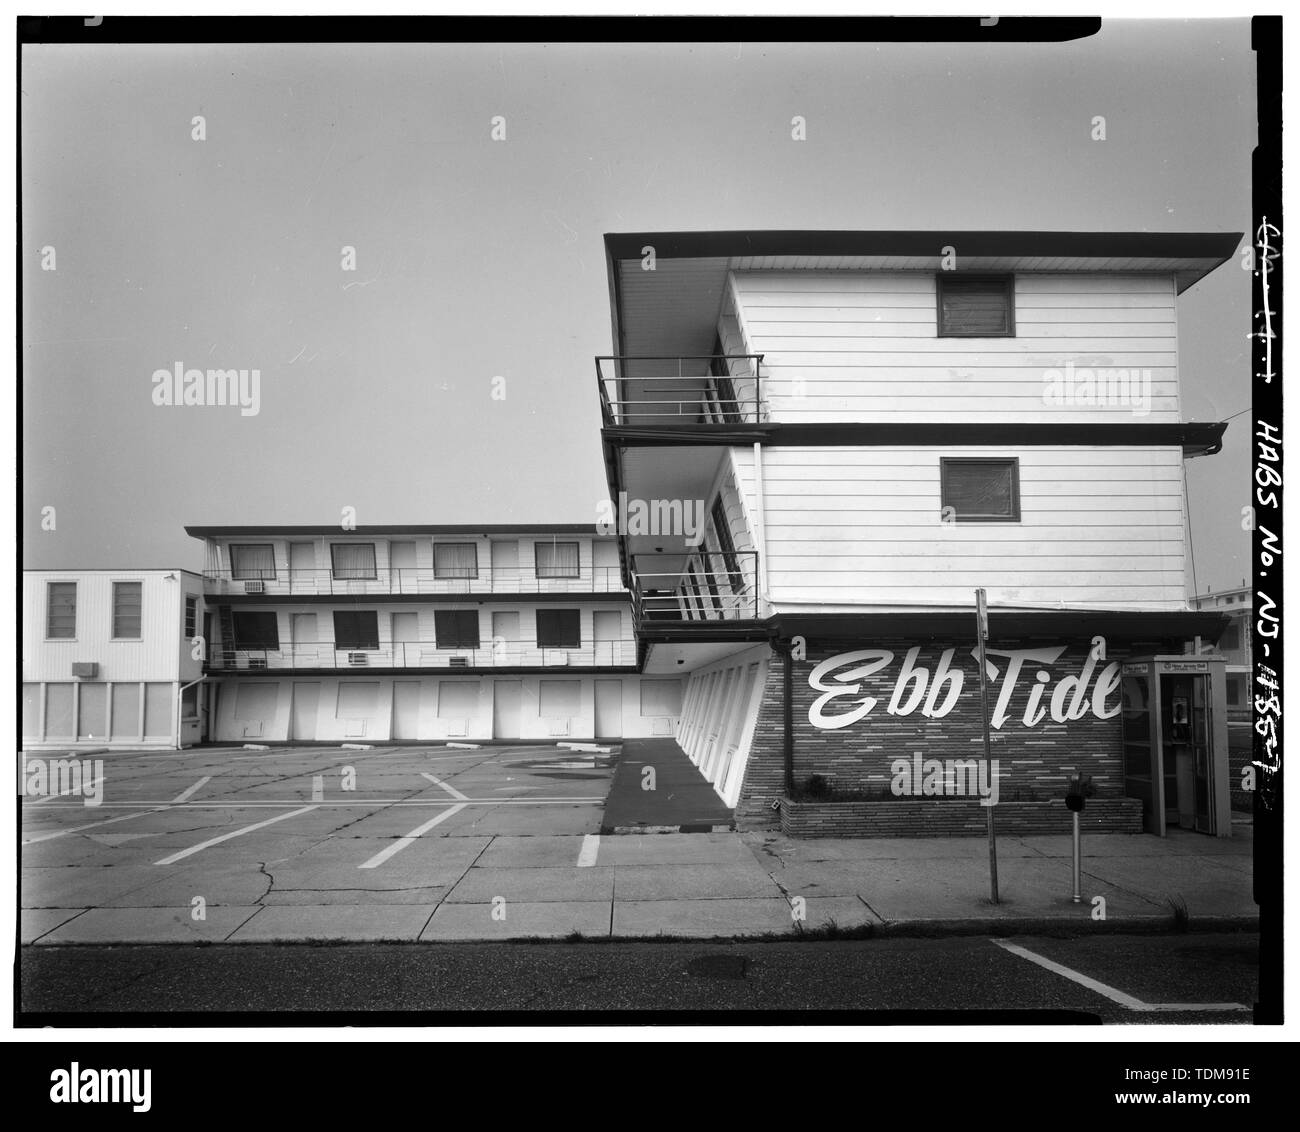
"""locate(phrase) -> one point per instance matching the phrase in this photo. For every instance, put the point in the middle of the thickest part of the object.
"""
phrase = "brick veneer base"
(953, 818)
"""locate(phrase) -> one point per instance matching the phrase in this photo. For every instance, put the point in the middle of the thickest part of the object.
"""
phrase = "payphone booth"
(1176, 742)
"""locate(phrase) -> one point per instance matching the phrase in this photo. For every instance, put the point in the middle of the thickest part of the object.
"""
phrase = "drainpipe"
(177, 717)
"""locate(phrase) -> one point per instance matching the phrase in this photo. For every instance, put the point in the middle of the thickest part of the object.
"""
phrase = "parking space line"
(234, 833)
(410, 839)
(1118, 996)
(450, 789)
(590, 847)
(93, 825)
(184, 794)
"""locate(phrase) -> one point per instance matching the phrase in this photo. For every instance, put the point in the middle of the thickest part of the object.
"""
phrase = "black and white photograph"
(729, 523)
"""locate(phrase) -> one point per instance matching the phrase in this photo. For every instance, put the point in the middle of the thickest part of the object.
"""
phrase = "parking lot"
(392, 843)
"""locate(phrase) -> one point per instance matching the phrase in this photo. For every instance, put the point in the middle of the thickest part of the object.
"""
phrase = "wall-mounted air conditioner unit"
(257, 662)
(359, 659)
(87, 669)
(557, 727)
(560, 659)
(458, 728)
(254, 587)
(458, 662)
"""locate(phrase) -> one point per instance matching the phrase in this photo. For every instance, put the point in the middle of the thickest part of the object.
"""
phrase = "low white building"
(109, 659)
(425, 633)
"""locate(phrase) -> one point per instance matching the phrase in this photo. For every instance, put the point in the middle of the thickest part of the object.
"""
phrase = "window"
(456, 628)
(191, 617)
(190, 702)
(727, 545)
(356, 629)
(559, 629)
(61, 610)
(353, 559)
(256, 630)
(126, 611)
(252, 562)
(725, 407)
(661, 697)
(976, 306)
(981, 490)
(557, 559)
(455, 560)
(1231, 638)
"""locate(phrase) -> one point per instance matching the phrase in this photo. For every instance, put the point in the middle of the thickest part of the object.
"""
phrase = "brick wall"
(1034, 762)
(954, 817)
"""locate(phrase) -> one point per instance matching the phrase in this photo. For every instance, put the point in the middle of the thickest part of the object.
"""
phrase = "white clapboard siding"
(160, 653)
(855, 346)
(1099, 526)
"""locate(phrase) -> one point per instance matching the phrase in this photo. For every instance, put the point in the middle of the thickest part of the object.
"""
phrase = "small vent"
(359, 659)
(85, 668)
(458, 728)
(257, 662)
(458, 662)
(662, 725)
(559, 659)
(254, 587)
(557, 727)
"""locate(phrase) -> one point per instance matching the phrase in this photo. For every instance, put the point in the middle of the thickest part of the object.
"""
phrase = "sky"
(478, 259)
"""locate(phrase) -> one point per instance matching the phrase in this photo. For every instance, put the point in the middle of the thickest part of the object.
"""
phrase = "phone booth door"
(1142, 772)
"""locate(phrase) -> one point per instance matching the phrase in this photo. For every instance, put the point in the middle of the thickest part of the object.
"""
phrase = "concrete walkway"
(657, 789)
(487, 887)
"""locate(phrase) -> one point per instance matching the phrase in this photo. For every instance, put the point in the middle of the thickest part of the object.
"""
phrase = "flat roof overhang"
(674, 308)
(417, 529)
(1113, 624)
(1195, 438)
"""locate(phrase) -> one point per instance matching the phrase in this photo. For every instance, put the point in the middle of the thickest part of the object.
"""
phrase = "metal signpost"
(982, 633)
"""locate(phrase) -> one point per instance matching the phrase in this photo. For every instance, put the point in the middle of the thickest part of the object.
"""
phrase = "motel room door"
(306, 700)
(406, 709)
(609, 709)
(507, 696)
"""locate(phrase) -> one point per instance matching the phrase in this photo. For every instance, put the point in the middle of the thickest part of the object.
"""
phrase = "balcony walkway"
(682, 801)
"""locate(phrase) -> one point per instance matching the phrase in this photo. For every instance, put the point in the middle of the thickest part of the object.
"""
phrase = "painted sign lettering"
(843, 701)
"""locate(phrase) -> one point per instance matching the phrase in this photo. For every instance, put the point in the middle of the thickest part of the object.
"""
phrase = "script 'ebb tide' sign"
(936, 693)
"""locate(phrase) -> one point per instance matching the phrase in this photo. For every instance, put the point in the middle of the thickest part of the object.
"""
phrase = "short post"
(1077, 898)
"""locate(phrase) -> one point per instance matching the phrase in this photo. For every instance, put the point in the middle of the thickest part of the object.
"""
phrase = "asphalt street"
(1117, 979)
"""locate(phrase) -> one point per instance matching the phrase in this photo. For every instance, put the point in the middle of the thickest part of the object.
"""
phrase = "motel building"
(109, 661)
(873, 425)
(424, 634)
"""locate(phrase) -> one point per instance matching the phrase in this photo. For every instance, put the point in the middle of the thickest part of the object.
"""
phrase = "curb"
(615, 830)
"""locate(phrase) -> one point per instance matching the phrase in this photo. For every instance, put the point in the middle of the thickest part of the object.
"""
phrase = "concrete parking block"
(692, 882)
(572, 884)
(523, 920)
(369, 922)
(35, 922)
(702, 918)
(148, 925)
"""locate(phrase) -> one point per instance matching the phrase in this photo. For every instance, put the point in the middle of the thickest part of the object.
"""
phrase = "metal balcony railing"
(411, 580)
(423, 654)
(647, 389)
(695, 586)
